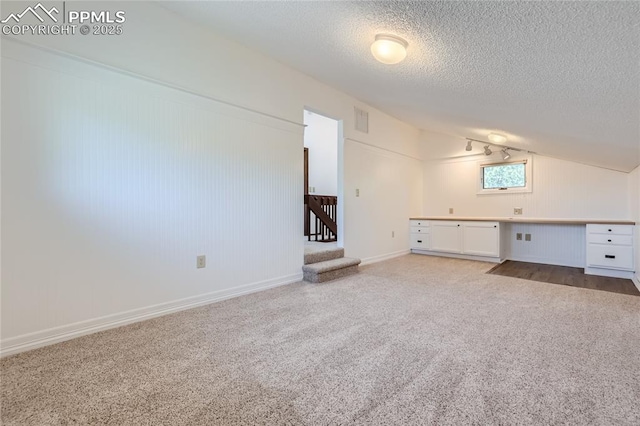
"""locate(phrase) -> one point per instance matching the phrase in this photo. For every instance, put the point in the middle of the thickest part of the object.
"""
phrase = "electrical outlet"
(393, 234)
(357, 192)
(201, 261)
(450, 210)
(527, 237)
(517, 210)
(519, 236)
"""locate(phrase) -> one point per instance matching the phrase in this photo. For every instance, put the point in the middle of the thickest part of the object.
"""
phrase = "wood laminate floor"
(564, 275)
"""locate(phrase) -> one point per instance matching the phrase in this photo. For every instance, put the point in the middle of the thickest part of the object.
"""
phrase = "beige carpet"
(414, 340)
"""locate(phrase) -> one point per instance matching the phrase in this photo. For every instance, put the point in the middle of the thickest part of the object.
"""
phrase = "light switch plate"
(517, 210)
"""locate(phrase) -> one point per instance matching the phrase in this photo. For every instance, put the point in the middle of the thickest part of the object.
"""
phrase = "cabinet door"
(446, 236)
(481, 238)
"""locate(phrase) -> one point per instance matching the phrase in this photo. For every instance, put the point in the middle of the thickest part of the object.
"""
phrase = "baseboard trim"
(459, 256)
(544, 261)
(54, 335)
(615, 273)
(382, 257)
(636, 281)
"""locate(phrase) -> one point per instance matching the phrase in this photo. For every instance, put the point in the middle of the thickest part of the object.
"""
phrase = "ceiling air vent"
(362, 120)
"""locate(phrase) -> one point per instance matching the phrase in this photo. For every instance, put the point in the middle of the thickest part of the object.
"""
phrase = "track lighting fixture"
(504, 150)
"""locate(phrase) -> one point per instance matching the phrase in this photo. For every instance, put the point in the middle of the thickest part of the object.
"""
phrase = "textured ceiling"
(558, 78)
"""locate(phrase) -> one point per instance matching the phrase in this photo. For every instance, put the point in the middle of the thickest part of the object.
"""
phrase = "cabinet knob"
(609, 230)
(609, 240)
(458, 224)
(609, 256)
(419, 241)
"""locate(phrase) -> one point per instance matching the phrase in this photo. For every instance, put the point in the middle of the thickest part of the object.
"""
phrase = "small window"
(513, 176)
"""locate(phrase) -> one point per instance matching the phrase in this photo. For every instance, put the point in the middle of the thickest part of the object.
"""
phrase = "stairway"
(322, 265)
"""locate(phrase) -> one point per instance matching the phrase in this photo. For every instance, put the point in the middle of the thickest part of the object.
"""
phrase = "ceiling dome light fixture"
(389, 49)
(497, 138)
(487, 150)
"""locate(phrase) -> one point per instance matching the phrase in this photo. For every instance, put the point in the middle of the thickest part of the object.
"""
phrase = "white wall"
(561, 189)
(112, 184)
(321, 137)
(390, 187)
(550, 244)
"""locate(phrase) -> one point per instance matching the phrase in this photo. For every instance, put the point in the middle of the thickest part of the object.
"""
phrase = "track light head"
(468, 148)
(505, 154)
(487, 150)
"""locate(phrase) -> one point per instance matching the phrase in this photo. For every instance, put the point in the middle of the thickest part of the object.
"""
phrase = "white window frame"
(528, 176)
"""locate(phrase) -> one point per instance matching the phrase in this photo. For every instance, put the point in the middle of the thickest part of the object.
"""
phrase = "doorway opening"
(322, 211)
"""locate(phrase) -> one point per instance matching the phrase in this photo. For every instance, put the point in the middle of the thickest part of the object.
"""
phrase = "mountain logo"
(34, 11)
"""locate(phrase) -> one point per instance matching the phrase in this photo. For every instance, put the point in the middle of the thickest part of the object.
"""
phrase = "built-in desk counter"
(600, 246)
(529, 220)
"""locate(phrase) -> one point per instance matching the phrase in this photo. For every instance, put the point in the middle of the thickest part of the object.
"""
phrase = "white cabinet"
(609, 247)
(481, 238)
(446, 236)
(610, 250)
(420, 235)
(464, 238)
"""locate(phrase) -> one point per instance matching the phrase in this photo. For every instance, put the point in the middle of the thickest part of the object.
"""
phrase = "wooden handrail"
(324, 207)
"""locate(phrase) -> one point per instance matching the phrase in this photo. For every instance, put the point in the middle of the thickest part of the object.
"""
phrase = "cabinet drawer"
(613, 239)
(613, 257)
(419, 229)
(420, 241)
(419, 222)
(610, 229)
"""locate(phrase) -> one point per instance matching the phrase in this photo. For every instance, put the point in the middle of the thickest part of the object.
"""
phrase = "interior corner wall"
(150, 150)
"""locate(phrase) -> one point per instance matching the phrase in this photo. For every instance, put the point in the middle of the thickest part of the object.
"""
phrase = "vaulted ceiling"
(558, 78)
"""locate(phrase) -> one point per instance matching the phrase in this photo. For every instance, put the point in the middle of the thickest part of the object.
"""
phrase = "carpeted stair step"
(323, 255)
(330, 269)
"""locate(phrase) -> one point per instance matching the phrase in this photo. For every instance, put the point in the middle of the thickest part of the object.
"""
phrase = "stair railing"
(322, 212)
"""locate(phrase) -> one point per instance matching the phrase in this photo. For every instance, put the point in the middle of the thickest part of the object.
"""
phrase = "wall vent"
(362, 120)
